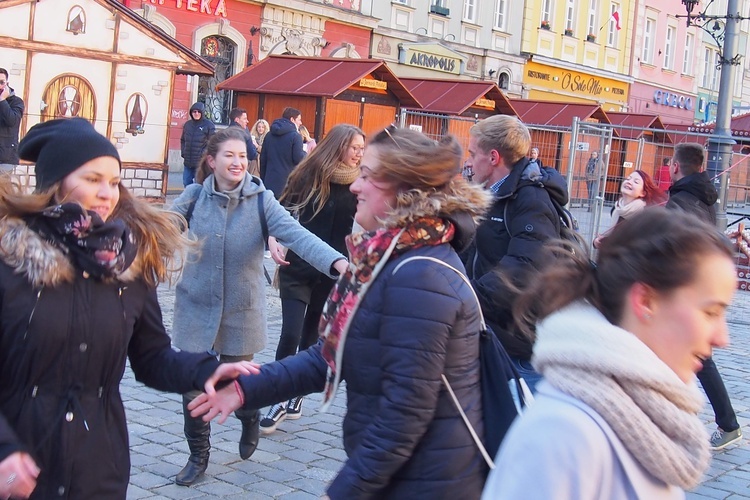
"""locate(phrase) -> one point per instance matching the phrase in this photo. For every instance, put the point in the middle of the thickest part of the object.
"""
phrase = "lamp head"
(690, 5)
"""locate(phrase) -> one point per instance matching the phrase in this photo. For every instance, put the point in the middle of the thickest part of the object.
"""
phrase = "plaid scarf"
(368, 254)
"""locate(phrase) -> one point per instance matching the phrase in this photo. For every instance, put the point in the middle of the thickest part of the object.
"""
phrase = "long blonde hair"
(161, 246)
(310, 181)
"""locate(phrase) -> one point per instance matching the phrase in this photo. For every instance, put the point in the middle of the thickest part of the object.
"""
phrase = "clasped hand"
(225, 400)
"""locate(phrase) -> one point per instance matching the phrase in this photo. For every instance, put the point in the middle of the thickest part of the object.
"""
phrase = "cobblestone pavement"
(299, 459)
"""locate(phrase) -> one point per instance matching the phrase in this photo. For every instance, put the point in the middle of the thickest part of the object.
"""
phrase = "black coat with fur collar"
(64, 339)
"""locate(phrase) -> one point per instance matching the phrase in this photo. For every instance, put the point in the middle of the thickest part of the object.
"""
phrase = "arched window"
(503, 81)
(76, 20)
(221, 51)
(68, 96)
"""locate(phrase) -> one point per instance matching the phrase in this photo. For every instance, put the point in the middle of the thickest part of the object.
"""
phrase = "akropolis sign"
(673, 100)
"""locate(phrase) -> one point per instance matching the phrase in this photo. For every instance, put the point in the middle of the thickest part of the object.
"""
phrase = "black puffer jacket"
(403, 436)
(696, 194)
(11, 111)
(64, 340)
(195, 135)
(509, 240)
(281, 152)
(332, 224)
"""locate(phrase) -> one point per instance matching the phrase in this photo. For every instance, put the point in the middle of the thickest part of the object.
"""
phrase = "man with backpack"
(523, 217)
(693, 192)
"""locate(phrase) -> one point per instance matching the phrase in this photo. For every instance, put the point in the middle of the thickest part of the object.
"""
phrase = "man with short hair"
(238, 119)
(195, 134)
(693, 192)
(510, 238)
(282, 150)
(11, 111)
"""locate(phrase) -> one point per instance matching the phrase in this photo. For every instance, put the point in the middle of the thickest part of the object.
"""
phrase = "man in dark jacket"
(693, 192)
(195, 134)
(282, 150)
(522, 218)
(238, 118)
(691, 189)
(11, 111)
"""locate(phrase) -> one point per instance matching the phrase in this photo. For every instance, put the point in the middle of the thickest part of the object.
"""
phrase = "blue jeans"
(188, 176)
(712, 383)
(531, 376)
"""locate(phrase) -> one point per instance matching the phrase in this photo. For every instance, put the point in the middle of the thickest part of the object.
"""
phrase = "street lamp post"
(721, 142)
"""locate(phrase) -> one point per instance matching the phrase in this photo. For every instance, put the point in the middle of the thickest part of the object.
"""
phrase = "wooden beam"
(50, 48)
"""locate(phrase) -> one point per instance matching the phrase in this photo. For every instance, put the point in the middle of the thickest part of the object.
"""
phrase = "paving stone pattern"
(302, 456)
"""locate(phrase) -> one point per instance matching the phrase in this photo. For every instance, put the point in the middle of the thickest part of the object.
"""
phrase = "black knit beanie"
(58, 147)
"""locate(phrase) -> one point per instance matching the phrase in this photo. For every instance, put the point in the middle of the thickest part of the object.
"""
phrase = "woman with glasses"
(317, 193)
(396, 325)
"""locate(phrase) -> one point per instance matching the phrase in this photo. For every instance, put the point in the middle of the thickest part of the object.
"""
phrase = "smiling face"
(261, 128)
(95, 185)
(354, 153)
(229, 165)
(687, 323)
(242, 120)
(374, 198)
(632, 186)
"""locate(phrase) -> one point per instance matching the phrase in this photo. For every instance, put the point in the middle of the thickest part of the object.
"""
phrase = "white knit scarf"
(626, 210)
(648, 407)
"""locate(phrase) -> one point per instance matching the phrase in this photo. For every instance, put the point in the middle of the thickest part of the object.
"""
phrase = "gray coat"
(220, 301)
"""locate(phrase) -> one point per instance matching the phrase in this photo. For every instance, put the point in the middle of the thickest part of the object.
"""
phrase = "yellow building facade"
(576, 53)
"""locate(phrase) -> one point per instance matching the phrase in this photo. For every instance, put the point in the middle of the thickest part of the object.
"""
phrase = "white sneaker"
(275, 416)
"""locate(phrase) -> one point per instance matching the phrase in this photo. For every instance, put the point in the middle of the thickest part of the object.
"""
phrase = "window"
(593, 18)
(503, 81)
(470, 10)
(403, 2)
(705, 81)
(648, 41)
(500, 14)
(440, 3)
(570, 12)
(687, 56)
(715, 70)
(612, 31)
(220, 51)
(547, 9)
(669, 48)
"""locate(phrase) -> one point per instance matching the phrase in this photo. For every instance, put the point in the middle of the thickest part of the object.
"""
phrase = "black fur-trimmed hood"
(41, 262)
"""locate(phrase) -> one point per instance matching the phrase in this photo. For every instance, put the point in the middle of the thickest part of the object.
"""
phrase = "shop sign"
(373, 84)
(673, 100)
(573, 82)
(431, 56)
(485, 103)
(210, 7)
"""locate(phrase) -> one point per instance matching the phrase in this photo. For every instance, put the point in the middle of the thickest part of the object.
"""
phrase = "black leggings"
(299, 327)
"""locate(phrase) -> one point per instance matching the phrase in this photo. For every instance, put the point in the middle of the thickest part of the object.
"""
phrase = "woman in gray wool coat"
(220, 301)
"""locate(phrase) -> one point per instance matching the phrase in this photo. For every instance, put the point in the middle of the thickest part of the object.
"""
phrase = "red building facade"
(234, 34)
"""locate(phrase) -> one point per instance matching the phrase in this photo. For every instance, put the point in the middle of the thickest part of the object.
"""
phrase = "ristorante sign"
(431, 56)
(574, 83)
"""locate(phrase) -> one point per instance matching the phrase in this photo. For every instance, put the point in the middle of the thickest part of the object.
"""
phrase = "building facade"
(462, 39)
(578, 51)
(663, 63)
(234, 34)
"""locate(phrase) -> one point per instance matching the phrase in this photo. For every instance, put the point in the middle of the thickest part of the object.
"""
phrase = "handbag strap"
(475, 437)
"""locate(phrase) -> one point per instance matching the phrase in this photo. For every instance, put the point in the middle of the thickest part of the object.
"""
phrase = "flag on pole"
(616, 17)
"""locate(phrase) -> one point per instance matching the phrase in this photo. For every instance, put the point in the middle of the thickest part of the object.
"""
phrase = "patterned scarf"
(101, 249)
(368, 255)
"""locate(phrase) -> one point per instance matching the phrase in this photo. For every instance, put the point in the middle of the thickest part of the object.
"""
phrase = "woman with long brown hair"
(399, 327)
(317, 194)
(80, 259)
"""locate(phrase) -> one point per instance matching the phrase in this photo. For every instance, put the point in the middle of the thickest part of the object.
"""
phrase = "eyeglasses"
(388, 130)
(357, 150)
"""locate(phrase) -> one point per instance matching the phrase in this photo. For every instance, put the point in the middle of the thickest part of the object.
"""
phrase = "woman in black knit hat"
(80, 259)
